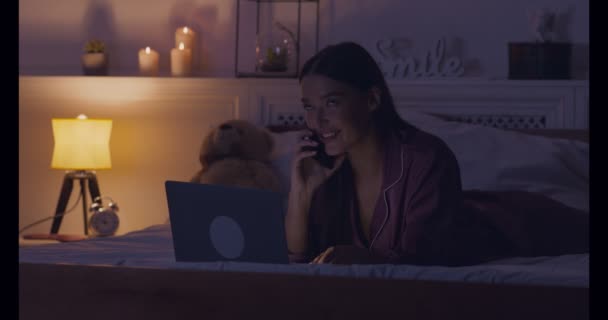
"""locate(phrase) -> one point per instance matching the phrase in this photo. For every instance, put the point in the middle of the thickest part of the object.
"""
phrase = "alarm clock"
(104, 221)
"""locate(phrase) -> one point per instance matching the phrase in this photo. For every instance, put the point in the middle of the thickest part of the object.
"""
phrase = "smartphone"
(321, 156)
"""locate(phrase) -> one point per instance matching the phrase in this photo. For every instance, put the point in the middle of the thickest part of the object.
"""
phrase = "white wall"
(52, 33)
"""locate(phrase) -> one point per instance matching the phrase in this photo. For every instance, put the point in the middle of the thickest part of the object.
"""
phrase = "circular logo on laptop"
(227, 237)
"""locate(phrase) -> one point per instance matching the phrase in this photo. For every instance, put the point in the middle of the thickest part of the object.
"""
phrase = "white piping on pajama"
(386, 202)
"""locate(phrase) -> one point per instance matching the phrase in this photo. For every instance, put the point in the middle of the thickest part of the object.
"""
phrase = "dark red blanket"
(529, 224)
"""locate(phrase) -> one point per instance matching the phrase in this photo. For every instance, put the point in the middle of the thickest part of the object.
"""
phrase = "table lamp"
(82, 145)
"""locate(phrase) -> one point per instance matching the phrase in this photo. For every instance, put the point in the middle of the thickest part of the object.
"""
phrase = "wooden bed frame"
(98, 292)
(103, 292)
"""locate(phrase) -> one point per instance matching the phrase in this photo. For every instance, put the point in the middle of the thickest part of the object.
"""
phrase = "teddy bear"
(238, 153)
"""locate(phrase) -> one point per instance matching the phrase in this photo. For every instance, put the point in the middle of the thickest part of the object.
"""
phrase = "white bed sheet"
(152, 247)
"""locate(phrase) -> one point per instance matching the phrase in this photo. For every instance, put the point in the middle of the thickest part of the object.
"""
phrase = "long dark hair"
(350, 63)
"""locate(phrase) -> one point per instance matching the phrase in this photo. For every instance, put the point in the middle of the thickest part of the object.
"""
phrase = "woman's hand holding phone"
(307, 173)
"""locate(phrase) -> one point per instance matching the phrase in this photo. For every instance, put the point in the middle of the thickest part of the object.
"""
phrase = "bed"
(135, 275)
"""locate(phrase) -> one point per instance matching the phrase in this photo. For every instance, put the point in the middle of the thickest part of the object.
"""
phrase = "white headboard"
(502, 104)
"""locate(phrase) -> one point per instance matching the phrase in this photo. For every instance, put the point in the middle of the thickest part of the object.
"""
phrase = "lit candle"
(148, 62)
(181, 61)
(186, 36)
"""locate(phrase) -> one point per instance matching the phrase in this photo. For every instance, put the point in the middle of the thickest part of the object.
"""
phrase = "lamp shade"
(81, 143)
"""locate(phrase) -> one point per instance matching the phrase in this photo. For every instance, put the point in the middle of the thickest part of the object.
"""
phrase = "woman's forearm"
(296, 221)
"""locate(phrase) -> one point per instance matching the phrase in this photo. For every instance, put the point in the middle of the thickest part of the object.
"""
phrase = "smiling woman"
(394, 194)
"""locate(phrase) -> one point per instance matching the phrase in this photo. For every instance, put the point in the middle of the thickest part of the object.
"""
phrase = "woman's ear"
(374, 98)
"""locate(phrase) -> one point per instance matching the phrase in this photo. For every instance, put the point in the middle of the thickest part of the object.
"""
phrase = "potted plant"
(95, 58)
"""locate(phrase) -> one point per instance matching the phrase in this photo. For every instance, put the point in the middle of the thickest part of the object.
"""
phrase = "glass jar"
(275, 50)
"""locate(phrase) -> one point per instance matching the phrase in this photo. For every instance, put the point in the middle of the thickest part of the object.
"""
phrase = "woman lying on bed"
(394, 192)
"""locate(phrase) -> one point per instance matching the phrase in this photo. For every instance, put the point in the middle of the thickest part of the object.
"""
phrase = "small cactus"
(94, 46)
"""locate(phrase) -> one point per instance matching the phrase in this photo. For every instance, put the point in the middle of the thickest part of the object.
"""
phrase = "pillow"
(496, 159)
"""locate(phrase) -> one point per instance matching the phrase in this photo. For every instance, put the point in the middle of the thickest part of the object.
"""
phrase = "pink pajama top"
(422, 216)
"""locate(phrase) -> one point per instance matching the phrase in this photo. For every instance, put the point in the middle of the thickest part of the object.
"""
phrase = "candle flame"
(181, 46)
(185, 29)
(147, 50)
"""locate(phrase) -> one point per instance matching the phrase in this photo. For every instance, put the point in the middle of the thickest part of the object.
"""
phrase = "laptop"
(224, 223)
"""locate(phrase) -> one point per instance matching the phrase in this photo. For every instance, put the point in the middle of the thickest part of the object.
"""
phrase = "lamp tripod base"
(84, 178)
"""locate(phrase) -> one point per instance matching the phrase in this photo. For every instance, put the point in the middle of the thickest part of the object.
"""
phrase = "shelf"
(293, 1)
(253, 76)
(267, 75)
